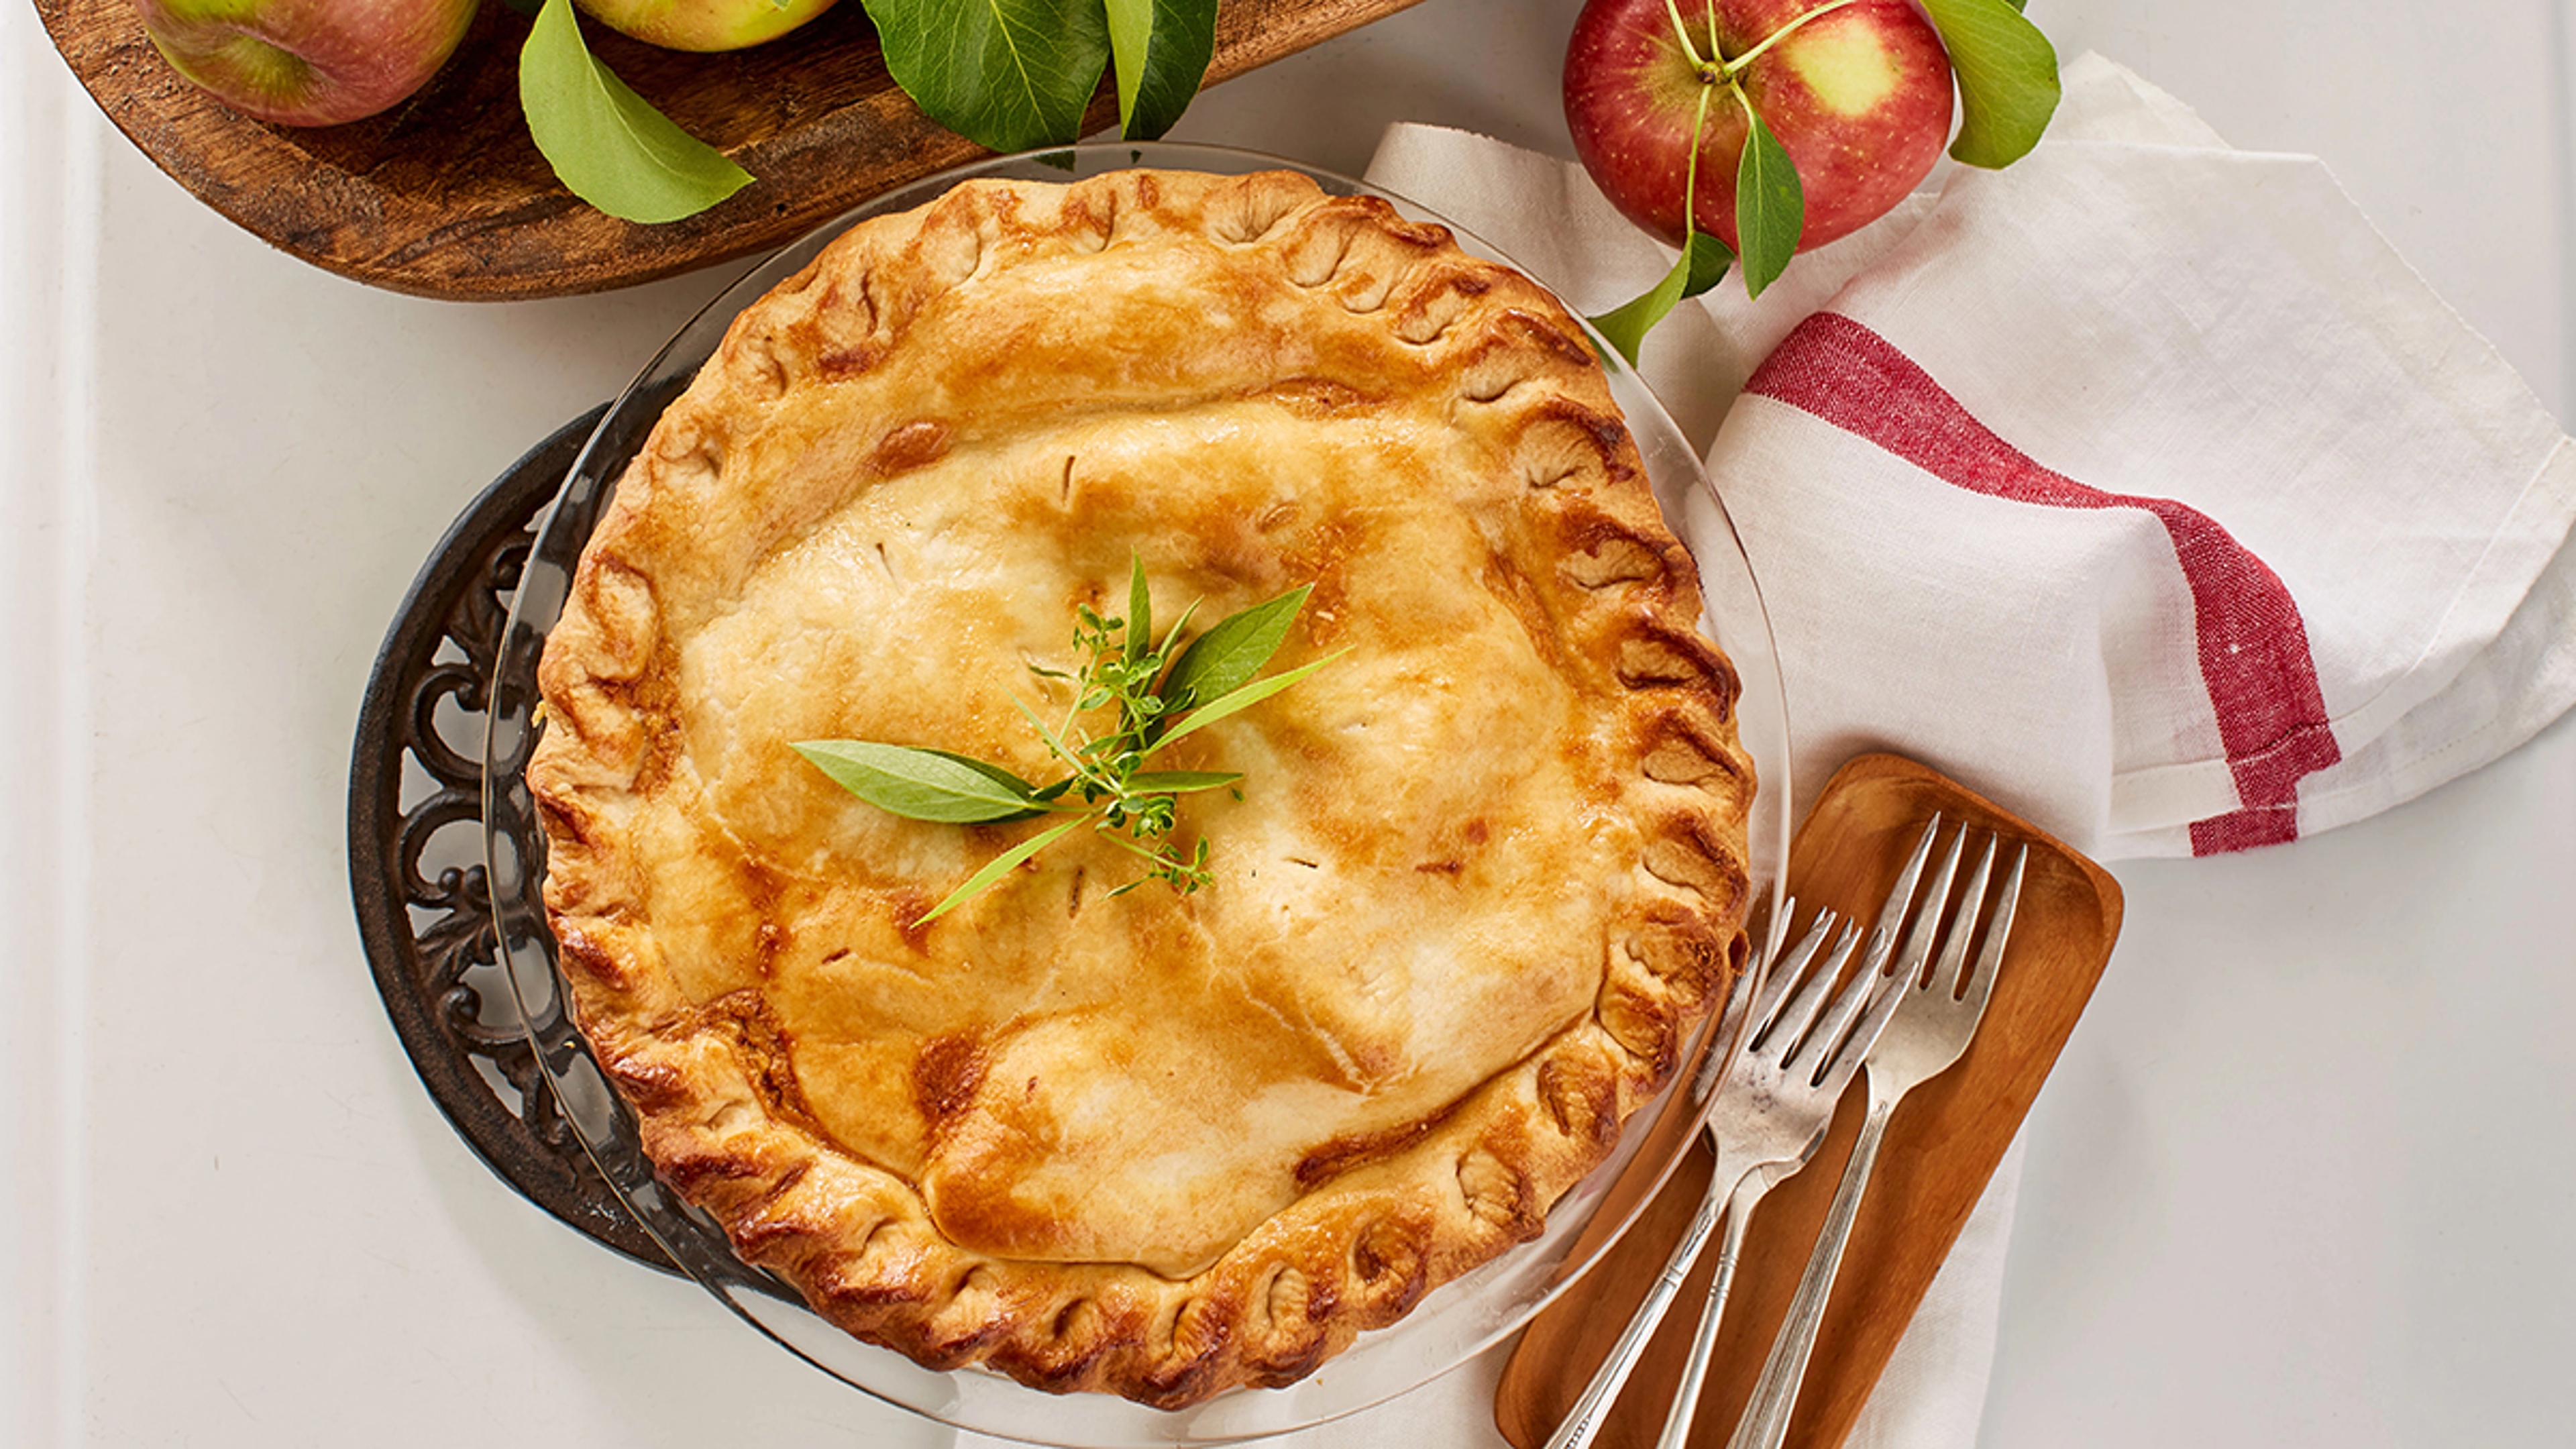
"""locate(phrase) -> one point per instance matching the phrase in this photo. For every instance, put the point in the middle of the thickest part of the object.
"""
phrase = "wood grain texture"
(445, 195)
(1941, 1147)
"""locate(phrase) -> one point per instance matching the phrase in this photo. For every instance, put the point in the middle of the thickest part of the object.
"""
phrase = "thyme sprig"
(1128, 696)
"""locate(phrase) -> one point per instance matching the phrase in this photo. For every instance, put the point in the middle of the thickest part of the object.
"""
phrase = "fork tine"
(1990, 957)
(1788, 1022)
(1731, 1034)
(1900, 899)
(1785, 975)
(1848, 1003)
(1867, 1011)
(1927, 922)
(1877, 997)
(1949, 972)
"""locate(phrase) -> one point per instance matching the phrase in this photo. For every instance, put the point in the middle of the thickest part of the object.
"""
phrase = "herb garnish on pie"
(1153, 694)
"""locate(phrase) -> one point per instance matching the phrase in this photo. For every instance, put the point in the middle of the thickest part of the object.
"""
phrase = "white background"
(2305, 1176)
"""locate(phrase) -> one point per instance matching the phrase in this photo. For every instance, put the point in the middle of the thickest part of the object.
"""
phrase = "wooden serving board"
(445, 195)
(1941, 1147)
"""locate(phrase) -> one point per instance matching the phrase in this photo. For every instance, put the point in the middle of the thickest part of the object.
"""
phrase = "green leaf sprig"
(1009, 75)
(1142, 694)
(2008, 90)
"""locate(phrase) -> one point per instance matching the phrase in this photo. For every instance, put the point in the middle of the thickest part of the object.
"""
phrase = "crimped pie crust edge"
(1362, 1248)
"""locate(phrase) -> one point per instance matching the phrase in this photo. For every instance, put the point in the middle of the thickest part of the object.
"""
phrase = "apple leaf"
(1702, 265)
(604, 141)
(2007, 78)
(1770, 206)
(1161, 49)
(1008, 75)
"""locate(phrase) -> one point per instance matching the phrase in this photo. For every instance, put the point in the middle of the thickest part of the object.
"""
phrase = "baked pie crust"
(1485, 873)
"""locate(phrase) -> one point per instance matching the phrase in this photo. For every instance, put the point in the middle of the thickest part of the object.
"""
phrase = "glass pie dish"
(1452, 1323)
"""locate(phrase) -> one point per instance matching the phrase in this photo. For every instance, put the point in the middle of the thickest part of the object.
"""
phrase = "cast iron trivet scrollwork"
(415, 859)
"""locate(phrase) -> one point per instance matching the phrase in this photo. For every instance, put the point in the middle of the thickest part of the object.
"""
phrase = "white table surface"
(2306, 1174)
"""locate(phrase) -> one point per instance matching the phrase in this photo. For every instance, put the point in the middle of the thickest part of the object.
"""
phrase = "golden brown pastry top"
(1486, 867)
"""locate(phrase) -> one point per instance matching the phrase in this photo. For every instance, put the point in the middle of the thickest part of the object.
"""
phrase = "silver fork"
(1934, 1019)
(1778, 1099)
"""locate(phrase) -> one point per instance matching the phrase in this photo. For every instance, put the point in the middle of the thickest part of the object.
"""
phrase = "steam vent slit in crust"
(1483, 876)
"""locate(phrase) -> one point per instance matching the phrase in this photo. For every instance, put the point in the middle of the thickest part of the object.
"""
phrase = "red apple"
(704, 24)
(1858, 91)
(307, 62)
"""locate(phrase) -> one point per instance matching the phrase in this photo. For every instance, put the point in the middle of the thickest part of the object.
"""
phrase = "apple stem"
(1736, 87)
(1690, 176)
(1735, 67)
(1707, 68)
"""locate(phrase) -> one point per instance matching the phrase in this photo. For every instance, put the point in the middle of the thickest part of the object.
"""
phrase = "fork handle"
(1730, 1247)
(1583, 1422)
(1766, 1415)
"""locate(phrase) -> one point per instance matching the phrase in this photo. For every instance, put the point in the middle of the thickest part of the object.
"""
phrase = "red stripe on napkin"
(2253, 646)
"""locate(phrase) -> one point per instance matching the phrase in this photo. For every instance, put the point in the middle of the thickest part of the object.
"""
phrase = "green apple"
(703, 24)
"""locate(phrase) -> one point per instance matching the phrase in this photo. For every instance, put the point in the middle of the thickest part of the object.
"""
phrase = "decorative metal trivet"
(416, 863)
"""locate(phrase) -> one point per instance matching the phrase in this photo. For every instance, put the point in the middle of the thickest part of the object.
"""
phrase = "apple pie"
(1483, 876)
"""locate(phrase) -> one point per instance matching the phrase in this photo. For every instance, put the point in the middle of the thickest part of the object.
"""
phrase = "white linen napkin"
(2140, 486)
